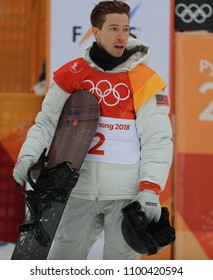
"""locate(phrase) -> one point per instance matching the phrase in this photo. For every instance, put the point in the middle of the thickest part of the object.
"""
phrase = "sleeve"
(40, 135)
(155, 135)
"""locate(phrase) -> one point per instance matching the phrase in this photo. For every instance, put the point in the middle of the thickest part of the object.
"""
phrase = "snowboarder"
(131, 153)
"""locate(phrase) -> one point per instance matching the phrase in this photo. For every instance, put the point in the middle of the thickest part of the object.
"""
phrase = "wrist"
(146, 185)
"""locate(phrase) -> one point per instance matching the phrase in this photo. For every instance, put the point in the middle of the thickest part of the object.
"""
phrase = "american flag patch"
(162, 100)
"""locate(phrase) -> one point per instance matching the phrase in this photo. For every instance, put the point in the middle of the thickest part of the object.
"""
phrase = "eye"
(113, 28)
(126, 30)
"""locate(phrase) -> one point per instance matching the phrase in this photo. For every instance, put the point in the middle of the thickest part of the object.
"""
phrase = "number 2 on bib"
(95, 149)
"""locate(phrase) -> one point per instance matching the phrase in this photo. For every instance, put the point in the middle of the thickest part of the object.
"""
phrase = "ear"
(95, 32)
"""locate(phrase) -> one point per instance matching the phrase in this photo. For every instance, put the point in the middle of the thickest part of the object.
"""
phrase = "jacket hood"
(143, 55)
(140, 57)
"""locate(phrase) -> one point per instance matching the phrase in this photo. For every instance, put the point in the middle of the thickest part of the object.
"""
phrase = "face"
(114, 34)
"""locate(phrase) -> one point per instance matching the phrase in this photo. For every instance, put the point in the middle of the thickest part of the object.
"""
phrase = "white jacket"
(101, 180)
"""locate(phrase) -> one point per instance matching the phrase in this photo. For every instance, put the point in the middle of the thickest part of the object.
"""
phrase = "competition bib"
(115, 141)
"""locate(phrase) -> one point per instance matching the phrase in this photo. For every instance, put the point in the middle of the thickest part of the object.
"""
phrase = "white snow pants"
(82, 223)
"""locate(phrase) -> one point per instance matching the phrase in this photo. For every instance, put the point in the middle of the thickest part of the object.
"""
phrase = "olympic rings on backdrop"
(193, 12)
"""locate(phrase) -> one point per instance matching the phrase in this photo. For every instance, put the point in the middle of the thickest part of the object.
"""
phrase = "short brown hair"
(98, 14)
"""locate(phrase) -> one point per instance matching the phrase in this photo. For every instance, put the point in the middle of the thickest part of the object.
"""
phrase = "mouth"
(119, 47)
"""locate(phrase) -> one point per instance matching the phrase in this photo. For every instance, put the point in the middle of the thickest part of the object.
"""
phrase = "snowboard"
(55, 174)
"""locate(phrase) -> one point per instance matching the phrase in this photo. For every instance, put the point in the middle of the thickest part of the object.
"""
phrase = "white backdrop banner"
(70, 30)
(70, 33)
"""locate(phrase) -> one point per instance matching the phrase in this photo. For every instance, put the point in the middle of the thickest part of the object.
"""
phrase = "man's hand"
(21, 168)
(150, 204)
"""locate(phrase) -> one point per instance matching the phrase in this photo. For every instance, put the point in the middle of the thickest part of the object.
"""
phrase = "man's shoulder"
(72, 65)
(142, 68)
(70, 75)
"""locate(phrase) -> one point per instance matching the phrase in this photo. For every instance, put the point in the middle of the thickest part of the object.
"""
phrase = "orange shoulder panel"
(145, 83)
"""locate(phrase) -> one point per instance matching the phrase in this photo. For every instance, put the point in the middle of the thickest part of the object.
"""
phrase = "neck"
(104, 59)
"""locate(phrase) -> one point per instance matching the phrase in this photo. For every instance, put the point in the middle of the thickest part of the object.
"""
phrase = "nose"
(121, 35)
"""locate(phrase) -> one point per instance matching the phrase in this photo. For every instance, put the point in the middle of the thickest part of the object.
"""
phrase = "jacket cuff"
(146, 185)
